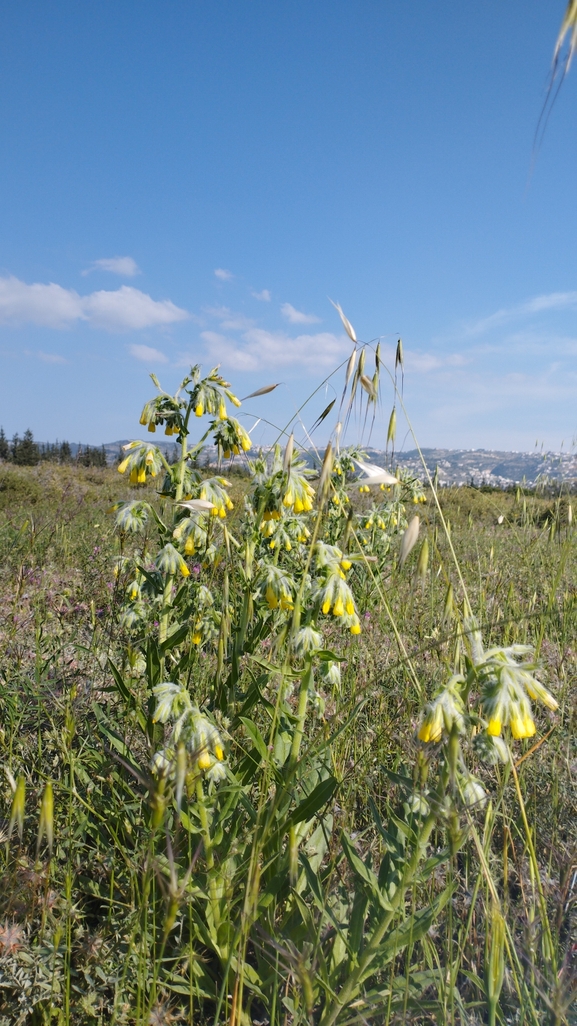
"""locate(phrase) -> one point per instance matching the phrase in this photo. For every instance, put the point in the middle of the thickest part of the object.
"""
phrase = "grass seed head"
(46, 823)
(368, 386)
(350, 366)
(409, 540)
(288, 454)
(17, 808)
(423, 561)
(392, 429)
(399, 355)
(346, 323)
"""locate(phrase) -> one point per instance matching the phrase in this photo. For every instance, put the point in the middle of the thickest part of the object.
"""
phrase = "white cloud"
(50, 357)
(48, 305)
(223, 275)
(264, 296)
(125, 266)
(550, 301)
(296, 316)
(423, 363)
(213, 338)
(229, 320)
(147, 354)
(51, 306)
(128, 309)
(260, 350)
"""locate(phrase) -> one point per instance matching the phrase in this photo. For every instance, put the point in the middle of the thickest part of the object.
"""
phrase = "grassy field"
(302, 839)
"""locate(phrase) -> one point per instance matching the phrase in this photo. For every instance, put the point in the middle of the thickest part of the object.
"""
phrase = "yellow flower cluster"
(192, 734)
(142, 460)
(214, 490)
(507, 688)
(444, 711)
(160, 410)
(277, 588)
(191, 531)
(518, 716)
(169, 561)
(299, 496)
(209, 397)
(334, 594)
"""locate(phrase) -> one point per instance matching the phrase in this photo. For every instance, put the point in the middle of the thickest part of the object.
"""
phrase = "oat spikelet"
(17, 808)
(494, 962)
(399, 355)
(423, 561)
(261, 391)
(410, 538)
(346, 323)
(392, 430)
(46, 824)
(368, 386)
(288, 454)
(350, 367)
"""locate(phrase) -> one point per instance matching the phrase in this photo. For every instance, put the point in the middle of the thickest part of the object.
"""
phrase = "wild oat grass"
(281, 751)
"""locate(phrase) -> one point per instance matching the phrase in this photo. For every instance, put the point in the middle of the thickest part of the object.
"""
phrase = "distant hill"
(455, 466)
(488, 466)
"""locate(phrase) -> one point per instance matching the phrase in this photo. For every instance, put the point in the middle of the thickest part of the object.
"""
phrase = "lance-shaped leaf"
(409, 932)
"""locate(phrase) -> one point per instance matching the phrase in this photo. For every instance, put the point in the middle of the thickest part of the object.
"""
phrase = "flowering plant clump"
(195, 744)
(242, 604)
(492, 696)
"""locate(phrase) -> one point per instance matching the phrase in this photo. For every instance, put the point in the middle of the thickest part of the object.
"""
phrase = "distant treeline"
(25, 452)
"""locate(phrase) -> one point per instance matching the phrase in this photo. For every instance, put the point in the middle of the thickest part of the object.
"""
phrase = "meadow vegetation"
(283, 746)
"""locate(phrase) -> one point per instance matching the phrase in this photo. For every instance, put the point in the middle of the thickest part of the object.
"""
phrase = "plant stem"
(301, 714)
(208, 854)
(349, 988)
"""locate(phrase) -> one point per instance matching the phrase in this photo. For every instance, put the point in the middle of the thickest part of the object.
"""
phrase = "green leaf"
(152, 663)
(410, 930)
(159, 522)
(310, 805)
(401, 781)
(256, 738)
(188, 823)
(319, 898)
(120, 685)
(429, 866)
(328, 656)
(116, 741)
(364, 873)
(272, 668)
(152, 579)
(176, 637)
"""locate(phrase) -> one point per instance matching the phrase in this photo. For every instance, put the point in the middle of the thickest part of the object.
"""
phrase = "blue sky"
(190, 181)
